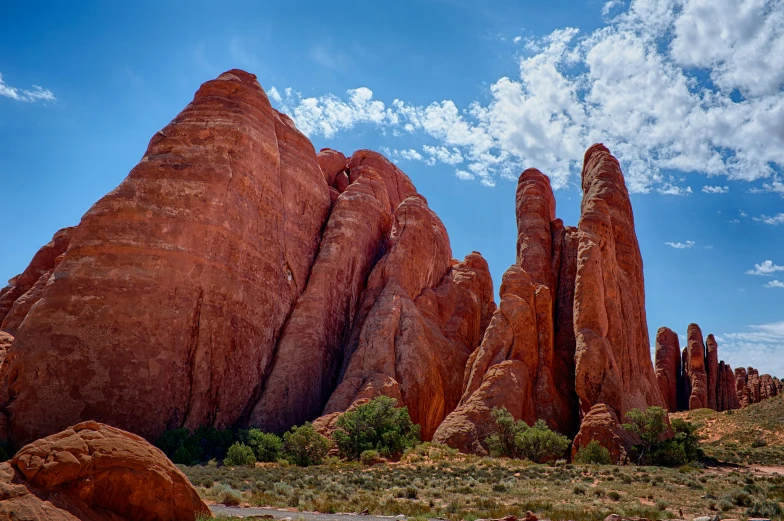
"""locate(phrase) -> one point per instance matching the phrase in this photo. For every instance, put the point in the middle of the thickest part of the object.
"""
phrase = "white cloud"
(408, 155)
(610, 5)
(715, 189)
(443, 155)
(463, 175)
(774, 284)
(517, 39)
(762, 347)
(766, 269)
(774, 220)
(36, 94)
(681, 245)
(274, 94)
(633, 84)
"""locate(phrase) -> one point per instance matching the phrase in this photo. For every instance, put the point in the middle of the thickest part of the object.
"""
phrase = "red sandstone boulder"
(613, 361)
(6, 339)
(695, 370)
(36, 273)
(95, 472)
(712, 371)
(166, 309)
(668, 366)
(399, 186)
(601, 424)
(331, 163)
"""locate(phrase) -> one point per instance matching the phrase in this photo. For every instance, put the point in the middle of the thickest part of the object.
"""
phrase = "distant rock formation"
(695, 369)
(752, 388)
(96, 472)
(668, 366)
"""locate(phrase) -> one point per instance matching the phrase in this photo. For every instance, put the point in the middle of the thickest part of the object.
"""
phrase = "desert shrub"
(377, 425)
(368, 457)
(185, 447)
(239, 455)
(765, 509)
(649, 426)
(266, 446)
(594, 454)
(304, 446)
(614, 495)
(515, 439)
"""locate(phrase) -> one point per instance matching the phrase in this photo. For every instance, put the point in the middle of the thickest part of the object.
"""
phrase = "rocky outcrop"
(741, 387)
(420, 317)
(613, 362)
(695, 369)
(601, 424)
(25, 289)
(751, 387)
(712, 371)
(727, 398)
(95, 472)
(526, 360)
(237, 278)
(668, 366)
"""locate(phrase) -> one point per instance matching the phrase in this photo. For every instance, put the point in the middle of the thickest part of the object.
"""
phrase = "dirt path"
(270, 513)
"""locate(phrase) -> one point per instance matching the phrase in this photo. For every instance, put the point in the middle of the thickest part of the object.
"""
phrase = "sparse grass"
(455, 486)
(750, 436)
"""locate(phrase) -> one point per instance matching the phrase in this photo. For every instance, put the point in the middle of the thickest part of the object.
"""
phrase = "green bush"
(304, 446)
(377, 425)
(765, 509)
(515, 439)
(185, 447)
(593, 454)
(369, 457)
(240, 455)
(650, 426)
(266, 446)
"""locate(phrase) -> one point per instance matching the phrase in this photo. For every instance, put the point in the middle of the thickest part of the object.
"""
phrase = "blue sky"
(689, 94)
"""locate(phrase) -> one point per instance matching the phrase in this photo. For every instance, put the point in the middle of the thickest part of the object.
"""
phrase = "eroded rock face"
(166, 308)
(741, 387)
(310, 350)
(613, 362)
(25, 289)
(695, 370)
(418, 321)
(712, 371)
(601, 424)
(95, 472)
(526, 360)
(668, 366)
(331, 163)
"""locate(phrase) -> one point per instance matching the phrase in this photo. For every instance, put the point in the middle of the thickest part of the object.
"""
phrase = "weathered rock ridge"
(95, 472)
(236, 277)
(569, 337)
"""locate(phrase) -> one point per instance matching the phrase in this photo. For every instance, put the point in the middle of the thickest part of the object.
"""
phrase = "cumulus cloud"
(766, 269)
(715, 189)
(774, 284)
(774, 220)
(36, 94)
(636, 84)
(463, 175)
(407, 154)
(760, 347)
(681, 245)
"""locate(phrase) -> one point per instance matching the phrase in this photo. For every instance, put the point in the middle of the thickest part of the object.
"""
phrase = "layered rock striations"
(236, 278)
(695, 369)
(95, 472)
(751, 387)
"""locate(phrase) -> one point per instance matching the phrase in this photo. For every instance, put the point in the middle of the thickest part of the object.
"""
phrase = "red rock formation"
(166, 308)
(311, 344)
(6, 340)
(95, 472)
(398, 184)
(741, 385)
(668, 366)
(526, 360)
(418, 321)
(753, 384)
(601, 424)
(331, 163)
(730, 387)
(712, 371)
(24, 290)
(768, 389)
(613, 361)
(695, 370)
